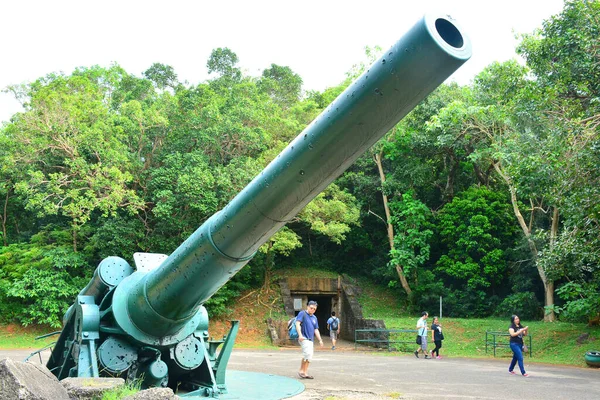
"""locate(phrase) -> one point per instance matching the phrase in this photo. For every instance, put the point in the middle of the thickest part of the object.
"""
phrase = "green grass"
(121, 392)
(552, 342)
(303, 271)
(17, 337)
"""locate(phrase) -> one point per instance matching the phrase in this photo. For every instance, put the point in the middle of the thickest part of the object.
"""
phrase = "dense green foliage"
(486, 194)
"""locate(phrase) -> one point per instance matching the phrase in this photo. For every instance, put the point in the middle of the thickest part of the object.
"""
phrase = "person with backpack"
(333, 324)
(307, 327)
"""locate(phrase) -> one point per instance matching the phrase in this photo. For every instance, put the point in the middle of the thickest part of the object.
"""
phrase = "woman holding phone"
(517, 331)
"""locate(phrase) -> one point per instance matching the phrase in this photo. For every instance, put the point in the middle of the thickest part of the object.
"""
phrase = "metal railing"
(493, 339)
(385, 337)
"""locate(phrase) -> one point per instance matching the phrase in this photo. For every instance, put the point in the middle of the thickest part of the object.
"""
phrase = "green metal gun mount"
(149, 323)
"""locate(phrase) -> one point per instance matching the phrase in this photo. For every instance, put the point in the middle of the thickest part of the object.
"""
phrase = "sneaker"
(512, 372)
(525, 375)
(427, 357)
(439, 358)
(417, 354)
(332, 347)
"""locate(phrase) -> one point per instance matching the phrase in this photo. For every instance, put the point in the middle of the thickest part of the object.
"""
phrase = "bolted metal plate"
(112, 270)
(146, 262)
(189, 353)
(158, 370)
(116, 355)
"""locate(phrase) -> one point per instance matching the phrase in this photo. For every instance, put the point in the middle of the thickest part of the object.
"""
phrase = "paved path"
(350, 374)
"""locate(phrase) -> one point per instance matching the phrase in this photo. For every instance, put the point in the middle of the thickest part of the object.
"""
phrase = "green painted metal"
(592, 358)
(223, 358)
(418, 63)
(151, 324)
(116, 355)
(494, 339)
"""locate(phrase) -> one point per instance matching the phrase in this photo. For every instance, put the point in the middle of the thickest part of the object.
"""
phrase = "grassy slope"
(18, 337)
(554, 342)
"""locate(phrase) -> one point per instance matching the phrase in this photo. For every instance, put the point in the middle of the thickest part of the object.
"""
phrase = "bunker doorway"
(323, 311)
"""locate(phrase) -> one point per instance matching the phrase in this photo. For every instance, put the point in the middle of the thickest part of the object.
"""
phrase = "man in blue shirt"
(307, 327)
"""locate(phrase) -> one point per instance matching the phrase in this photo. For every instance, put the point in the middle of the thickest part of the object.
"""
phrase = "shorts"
(307, 349)
(424, 343)
(333, 335)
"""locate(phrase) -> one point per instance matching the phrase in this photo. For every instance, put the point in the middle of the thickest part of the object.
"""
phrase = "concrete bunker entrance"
(323, 310)
(332, 294)
(325, 291)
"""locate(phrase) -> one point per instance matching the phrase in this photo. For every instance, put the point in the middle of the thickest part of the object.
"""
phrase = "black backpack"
(334, 324)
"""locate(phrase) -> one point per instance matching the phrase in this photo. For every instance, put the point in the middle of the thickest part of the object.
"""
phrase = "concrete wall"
(313, 285)
(344, 302)
(351, 315)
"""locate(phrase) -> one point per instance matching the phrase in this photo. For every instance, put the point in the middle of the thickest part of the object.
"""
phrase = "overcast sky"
(319, 40)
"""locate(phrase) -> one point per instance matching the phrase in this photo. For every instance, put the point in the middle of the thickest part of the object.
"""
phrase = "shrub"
(523, 304)
(44, 295)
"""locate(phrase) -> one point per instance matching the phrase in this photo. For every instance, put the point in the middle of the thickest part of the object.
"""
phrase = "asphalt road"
(351, 374)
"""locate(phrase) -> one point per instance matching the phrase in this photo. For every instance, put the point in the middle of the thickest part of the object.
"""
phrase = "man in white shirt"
(422, 332)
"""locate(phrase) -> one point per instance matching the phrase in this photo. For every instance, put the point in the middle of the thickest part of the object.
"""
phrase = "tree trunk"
(4, 215)
(268, 262)
(390, 228)
(549, 315)
(548, 284)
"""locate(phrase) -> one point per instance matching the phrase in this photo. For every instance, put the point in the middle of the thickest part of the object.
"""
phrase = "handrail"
(380, 330)
(492, 341)
(39, 352)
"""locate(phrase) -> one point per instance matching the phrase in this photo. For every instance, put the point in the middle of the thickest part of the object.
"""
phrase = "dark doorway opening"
(323, 311)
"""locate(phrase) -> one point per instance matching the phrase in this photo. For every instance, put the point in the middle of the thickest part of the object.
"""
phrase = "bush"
(44, 296)
(582, 301)
(9, 309)
(523, 304)
(468, 303)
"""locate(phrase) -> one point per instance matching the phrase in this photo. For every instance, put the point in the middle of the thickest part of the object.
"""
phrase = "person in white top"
(422, 332)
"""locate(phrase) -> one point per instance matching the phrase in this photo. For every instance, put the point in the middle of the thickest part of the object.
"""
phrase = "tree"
(390, 229)
(413, 230)
(162, 76)
(281, 84)
(505, 131)
(223, 62)
(476, 229)
(563, 56)
(74, 163)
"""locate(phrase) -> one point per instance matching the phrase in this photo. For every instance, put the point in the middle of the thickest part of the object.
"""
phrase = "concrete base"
(254, 386)
(257, 386)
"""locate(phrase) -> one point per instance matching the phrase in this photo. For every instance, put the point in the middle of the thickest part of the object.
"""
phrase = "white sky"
(319, 40)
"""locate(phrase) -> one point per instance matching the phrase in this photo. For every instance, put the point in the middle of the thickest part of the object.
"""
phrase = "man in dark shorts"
(333, 324)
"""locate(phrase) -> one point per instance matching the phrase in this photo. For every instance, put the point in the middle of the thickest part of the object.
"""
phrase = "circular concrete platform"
(259, 386)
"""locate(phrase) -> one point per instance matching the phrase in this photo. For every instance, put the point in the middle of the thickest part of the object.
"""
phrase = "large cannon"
(149, 323)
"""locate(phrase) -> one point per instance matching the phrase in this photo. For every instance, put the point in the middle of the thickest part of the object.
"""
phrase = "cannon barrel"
(163, 302)
(150, 326)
